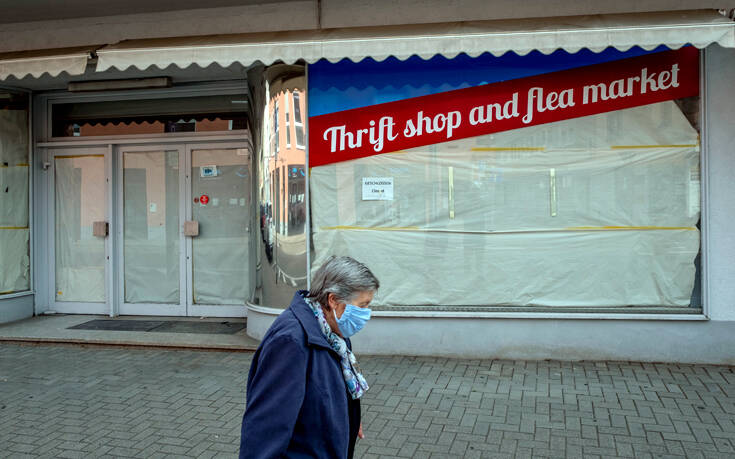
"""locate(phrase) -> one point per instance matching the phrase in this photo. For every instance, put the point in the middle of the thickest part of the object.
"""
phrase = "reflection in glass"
(149, 116)
(221, 181)
(282, 191)
(80, 201)
(151, 226)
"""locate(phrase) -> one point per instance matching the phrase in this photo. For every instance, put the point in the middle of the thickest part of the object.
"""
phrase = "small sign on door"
(208, 171)
(377, 188)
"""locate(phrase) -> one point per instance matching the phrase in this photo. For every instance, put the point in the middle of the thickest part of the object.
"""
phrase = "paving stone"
(65, 401)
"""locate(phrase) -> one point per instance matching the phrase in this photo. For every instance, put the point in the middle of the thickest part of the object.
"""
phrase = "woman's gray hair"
(345, 277)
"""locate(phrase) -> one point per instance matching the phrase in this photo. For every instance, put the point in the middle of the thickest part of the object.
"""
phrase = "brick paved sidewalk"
(65, 401)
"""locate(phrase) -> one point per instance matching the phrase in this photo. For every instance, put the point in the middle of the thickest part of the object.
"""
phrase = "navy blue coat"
(297, 400)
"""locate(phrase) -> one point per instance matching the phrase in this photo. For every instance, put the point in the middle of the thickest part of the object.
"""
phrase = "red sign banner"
(503, 106)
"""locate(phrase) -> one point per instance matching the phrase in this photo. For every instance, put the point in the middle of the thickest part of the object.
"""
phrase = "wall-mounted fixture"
(113, 85)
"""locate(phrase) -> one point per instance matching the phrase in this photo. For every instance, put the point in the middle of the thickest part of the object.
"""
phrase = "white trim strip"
(510, 315)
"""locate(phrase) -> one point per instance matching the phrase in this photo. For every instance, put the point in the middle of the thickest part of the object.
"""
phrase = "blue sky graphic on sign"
(344, 85)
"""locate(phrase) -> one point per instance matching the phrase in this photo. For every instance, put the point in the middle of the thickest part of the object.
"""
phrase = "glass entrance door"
(220, 204)
(153, 257)
(79, 190)
(184, 218)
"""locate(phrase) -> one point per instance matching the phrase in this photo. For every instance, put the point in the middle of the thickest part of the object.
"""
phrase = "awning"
(647, 30)
(52, 61)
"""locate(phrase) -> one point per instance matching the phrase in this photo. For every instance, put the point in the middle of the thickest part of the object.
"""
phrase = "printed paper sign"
(503, 106)
(377, 188)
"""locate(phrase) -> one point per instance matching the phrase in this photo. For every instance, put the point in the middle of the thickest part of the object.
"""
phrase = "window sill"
(689, 314)
(8, 296)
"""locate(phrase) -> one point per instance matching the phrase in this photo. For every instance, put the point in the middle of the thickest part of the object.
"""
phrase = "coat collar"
(305, 316)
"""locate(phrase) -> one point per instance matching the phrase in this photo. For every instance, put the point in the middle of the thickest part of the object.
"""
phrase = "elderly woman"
(304, 386)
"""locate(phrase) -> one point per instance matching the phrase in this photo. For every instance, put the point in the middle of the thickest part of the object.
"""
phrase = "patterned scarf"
(356, 384)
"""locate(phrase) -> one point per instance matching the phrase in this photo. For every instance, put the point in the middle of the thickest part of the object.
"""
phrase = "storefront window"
(14, 176)
(588, 198)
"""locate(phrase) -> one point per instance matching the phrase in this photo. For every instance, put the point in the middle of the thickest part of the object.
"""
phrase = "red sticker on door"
(204, 199)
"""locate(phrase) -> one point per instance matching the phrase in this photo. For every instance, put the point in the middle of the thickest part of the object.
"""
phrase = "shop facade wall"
(340, 13)
(15, 308)
(303, 15)
(706, 338)
(719, 109)
(559, 339)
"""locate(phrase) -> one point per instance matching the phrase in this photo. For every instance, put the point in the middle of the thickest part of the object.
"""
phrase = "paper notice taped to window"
(377, 188)
(694, 190)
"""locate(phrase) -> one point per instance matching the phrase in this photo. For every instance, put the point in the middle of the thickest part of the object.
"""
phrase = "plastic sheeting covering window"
(221, 181)
(80, 201)
(14, 173)
(599, 211)
(151, 226)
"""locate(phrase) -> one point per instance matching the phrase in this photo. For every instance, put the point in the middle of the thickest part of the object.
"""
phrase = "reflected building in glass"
(280, 147)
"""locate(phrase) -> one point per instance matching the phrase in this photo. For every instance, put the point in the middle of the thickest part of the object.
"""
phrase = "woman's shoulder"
(286, 327)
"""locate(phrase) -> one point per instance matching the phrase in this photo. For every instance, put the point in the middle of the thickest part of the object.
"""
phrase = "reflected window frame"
(298, 120)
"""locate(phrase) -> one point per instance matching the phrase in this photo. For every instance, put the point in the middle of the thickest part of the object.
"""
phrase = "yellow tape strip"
(13, 227)
(8, 292)
(508, 149)
(574, 228)
(367, 228)
(628, 147)
(635, 228)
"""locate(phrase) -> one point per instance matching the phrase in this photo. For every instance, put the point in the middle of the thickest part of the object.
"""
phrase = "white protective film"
(596, 211)
(15, 269)
(14, 196)
(220, 181)
(80, 201)
(14, 232)
(13, 137)
(151, 226)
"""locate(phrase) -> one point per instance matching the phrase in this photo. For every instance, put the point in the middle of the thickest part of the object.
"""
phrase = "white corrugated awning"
(647, 30)
(52, 61)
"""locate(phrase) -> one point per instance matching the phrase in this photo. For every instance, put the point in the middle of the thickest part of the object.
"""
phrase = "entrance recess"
(152, 230)
(184, 221)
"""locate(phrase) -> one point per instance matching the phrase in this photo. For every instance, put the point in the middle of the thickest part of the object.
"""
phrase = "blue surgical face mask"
(352, 320)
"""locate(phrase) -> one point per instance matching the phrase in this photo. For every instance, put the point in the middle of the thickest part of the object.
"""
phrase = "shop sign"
(503, 106)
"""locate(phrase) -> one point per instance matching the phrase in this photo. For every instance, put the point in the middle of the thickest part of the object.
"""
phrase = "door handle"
(191, 228)
(100, 229)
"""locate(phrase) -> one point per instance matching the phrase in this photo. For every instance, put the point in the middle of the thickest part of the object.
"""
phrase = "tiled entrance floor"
(57, 329)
